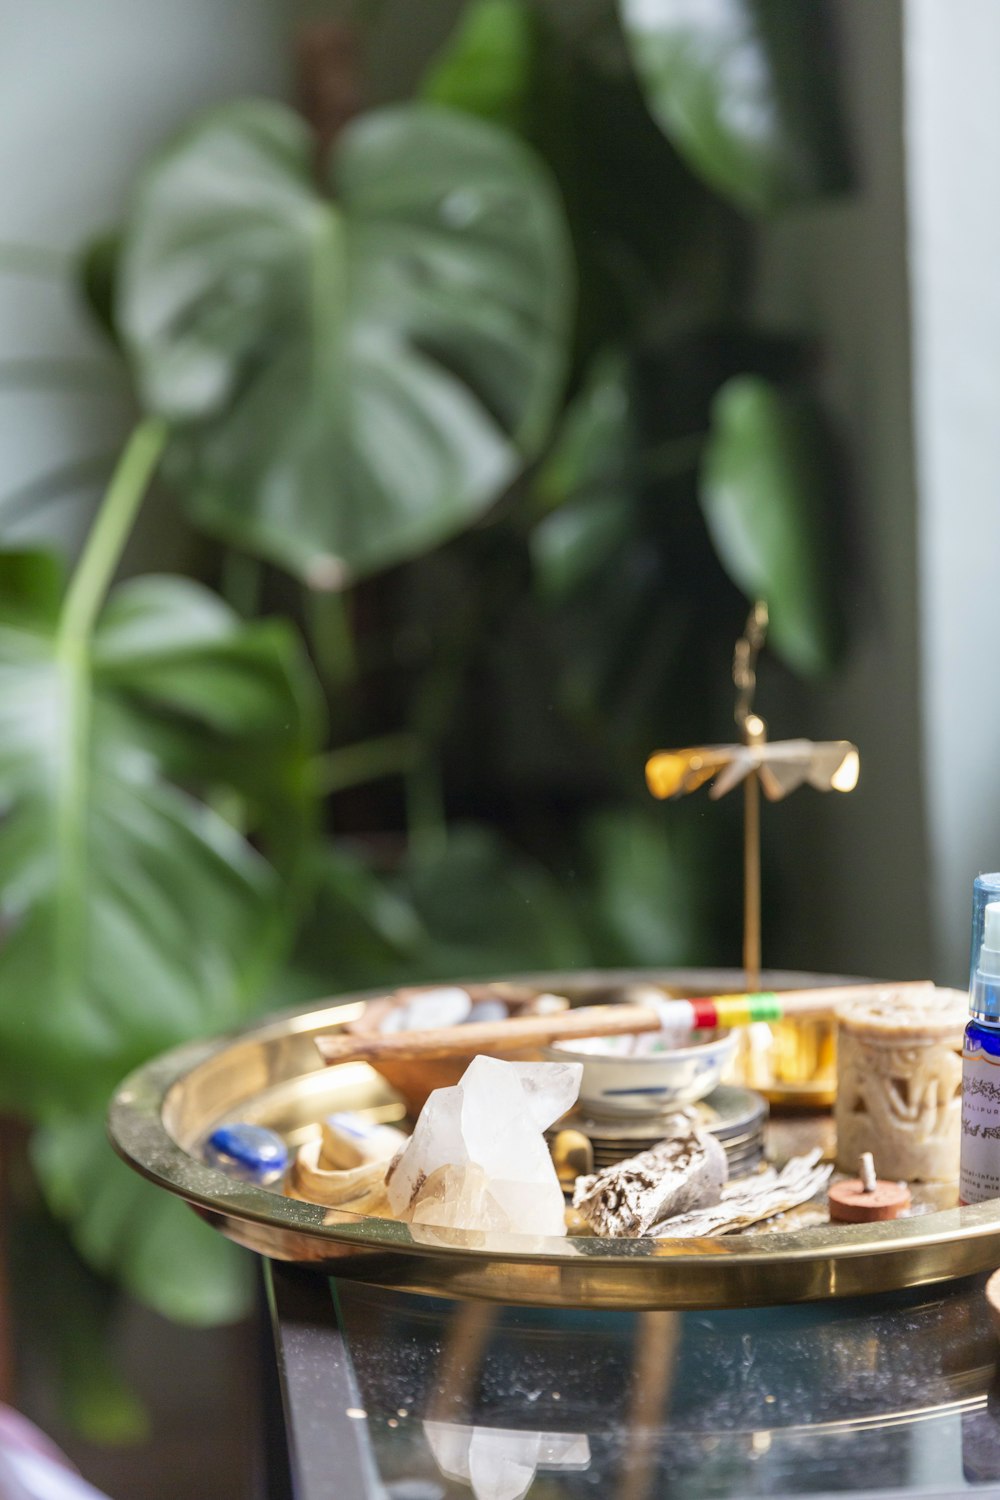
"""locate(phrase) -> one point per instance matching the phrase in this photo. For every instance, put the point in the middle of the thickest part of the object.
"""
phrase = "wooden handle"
(514, 1035)
(519, 1033)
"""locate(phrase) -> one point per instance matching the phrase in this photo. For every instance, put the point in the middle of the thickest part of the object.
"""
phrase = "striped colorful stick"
(723, 1010)
(519, 1033)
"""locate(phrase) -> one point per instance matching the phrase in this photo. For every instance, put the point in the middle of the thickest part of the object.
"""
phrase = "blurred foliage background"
(480, 456)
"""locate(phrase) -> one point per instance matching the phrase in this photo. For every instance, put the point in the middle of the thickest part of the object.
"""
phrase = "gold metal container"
(271, 1074)
(792, 1063)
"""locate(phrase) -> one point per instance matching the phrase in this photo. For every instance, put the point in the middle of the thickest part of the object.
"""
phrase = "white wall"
(87, 88)
(953, 172)
(901, 285)
(856, 897)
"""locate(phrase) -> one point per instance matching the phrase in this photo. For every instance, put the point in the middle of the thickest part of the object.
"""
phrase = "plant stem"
(101, 555)
(103, 549)
(332, 638)
(353, 765)
(426, 822)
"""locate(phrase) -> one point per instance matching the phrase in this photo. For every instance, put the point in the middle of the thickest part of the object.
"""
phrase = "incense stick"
(519, 1033)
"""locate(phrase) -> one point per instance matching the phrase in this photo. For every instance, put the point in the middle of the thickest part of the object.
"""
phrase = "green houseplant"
(487, 455)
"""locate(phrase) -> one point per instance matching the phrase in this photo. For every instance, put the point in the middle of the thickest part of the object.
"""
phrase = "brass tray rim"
(613, 1274)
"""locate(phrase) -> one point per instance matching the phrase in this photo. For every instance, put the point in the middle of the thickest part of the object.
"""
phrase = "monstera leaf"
(586, 484)
(350, 377)
(488, 909)
(134, 914)
(478, 908)
(741, 89)
(601, 565)
(765, 494)
(651, 891)
(486, 67)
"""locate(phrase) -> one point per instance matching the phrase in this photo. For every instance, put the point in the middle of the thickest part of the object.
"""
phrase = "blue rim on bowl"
(616, 1082)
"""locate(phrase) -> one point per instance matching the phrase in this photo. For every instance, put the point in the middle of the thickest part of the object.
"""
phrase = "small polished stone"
(446, 1005)
(488, 1010)
(548, 1005)
(251, 1152)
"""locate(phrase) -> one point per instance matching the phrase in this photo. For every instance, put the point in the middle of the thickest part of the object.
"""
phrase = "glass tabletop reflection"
(890, 1396)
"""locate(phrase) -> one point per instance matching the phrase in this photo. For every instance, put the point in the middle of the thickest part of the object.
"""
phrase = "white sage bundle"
(751, 1200)
(677, 1174)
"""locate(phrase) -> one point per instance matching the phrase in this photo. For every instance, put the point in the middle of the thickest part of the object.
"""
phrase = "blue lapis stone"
(250, 1152)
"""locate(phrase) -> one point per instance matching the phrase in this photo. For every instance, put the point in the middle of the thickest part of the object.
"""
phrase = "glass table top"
(889, 1396)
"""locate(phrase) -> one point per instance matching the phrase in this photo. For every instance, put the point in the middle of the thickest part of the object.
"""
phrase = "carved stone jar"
(899, 1084)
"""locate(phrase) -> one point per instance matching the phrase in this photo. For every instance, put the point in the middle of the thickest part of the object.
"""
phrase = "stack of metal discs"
(736, 1116)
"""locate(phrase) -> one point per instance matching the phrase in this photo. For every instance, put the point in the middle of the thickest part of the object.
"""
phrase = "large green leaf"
(765, 494)
(652, 900)
(97, 275)
(135, 916)
(148, 1241)
(601, 560)
(485, 68)
(477, 908)
(359, 931)
(351, 379)
(488, 909)
(586, 485)
(742, 90)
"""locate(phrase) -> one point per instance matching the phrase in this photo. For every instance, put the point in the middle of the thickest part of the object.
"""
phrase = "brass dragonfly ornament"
(781, 766)
(778, 767)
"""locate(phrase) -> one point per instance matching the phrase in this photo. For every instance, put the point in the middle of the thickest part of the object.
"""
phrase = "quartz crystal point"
(477, 1158)
(446, 1006)
(680, 1174)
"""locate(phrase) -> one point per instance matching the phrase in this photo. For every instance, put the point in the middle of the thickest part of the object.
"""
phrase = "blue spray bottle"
(979, 1172)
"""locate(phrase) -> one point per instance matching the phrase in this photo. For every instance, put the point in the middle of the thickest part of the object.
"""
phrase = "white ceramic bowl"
(618, 1080)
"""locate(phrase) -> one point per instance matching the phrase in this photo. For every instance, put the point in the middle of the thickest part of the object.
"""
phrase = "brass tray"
(271, 1074)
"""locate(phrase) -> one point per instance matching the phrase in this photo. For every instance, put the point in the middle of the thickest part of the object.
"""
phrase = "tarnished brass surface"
(271, 1074)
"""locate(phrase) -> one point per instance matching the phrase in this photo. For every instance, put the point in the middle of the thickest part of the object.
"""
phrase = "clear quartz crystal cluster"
(477, 1159)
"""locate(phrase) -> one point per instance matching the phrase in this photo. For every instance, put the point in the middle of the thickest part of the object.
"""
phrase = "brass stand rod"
(751, 882)
(753, 731)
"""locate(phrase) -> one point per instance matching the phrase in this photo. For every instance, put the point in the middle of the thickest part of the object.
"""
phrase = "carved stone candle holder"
(899, 1084)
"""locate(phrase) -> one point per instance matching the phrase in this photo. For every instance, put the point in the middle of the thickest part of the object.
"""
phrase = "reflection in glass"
(884, 1395)
(499, 1463)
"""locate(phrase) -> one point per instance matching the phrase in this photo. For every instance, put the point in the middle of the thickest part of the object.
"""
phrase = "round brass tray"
(271, 1074)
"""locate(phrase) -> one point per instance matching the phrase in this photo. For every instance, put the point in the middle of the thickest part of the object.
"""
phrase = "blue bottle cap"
(984, 992)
